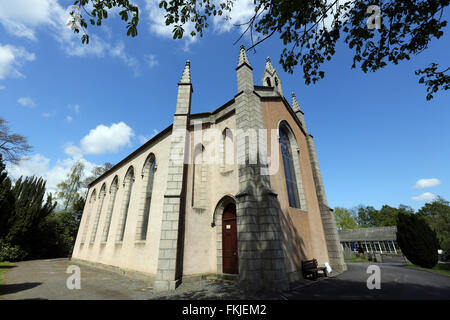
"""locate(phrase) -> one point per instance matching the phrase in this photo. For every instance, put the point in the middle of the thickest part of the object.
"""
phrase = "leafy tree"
(96, 172)
(416, 240)
(13, 146)
(69, 189)
(437, 215)
(378, 32)
(344, 219)
(366, 216)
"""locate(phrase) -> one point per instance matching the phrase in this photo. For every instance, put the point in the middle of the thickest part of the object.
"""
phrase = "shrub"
(11, 253)
(416, 240)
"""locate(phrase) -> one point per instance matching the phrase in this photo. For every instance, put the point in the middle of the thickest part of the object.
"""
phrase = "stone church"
(235, 192)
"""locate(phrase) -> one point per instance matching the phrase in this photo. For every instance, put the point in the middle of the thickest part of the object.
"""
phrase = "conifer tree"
(7, 200)
(416, 240)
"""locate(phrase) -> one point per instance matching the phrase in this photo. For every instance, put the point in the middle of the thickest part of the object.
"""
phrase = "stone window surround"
(283, 124)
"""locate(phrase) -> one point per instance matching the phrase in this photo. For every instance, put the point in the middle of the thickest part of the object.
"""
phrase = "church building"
(236, 192)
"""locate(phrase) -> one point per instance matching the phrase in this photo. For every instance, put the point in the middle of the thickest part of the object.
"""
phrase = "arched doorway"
(229, 240)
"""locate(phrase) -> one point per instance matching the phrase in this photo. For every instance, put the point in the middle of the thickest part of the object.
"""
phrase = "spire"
(295, 105)
(271, 78)
(269, 66)
(244, 72)
(243, 59)
(186, 77)
(298, 112)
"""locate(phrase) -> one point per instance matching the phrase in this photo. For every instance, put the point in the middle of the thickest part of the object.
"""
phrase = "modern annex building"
(166, 212)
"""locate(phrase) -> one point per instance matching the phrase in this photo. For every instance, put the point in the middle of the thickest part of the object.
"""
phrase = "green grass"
(439, 268)
(3, 268)
(357, 259)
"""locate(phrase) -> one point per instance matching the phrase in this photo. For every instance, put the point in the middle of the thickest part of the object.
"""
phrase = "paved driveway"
(46, 279)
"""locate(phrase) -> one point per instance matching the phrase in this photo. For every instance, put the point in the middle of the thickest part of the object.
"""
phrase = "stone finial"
(243, 56)
(186, 77)
(269, 66)
(295, 105)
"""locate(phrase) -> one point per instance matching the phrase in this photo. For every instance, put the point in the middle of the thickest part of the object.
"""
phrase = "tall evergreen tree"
(416, 240)
(30, 211)
(7, 200)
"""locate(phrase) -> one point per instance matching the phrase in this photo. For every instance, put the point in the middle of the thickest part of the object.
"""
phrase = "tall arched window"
(112, 198)
(289, 170)
(269, 83)
(199, 178)
(128, 188)
(91, 203)
(227, 150)
(148, 175)
(101, 197)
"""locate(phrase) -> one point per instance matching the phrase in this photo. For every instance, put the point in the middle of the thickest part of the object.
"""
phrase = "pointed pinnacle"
(269, 66)
(295, 105)
(243, 56)
(186, 77)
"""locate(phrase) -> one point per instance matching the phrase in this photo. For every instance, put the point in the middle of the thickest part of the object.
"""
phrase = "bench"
(312, 267)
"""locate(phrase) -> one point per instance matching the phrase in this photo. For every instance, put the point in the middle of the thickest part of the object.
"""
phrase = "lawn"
(439, 268)
(3, 267)
(357, 259)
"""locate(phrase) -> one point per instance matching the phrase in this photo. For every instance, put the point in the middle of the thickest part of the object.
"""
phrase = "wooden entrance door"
(229, 240)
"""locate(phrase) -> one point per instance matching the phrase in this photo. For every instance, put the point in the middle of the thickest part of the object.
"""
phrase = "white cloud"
(102, 139)
(427, 196)
(75, 107)
(39, 165)
(158, 25)
(143, 139)
(119, 51)
(426, 183)
(151, 60)
(47, 114)
(69, 119)
(241, 12)
(21, 17)
(26, 102)
(2, 87)
(11, 58)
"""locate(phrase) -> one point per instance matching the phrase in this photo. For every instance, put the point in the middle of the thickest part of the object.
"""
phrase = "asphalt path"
(47, 279)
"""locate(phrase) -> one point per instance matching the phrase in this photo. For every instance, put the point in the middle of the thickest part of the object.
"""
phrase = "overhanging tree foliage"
(309, 29)
(416, 240)
(13, 146)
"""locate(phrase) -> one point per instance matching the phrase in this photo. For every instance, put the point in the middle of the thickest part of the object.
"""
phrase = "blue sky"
(375, 133)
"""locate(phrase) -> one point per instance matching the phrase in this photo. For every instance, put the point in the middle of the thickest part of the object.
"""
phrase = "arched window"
(112, 198)
(101, 197)
(128, 188)
(276, 81)
(148, 174)
(88, 215)
(289, 170)
(199, 178)
(269, 83)
(227, 150)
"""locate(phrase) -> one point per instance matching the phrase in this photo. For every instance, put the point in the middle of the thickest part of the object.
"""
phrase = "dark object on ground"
(312, 267)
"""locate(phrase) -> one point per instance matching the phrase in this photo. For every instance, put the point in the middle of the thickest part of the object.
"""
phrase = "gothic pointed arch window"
(90, 208)
(292, 174)
(199, 178)
(227, 163)
(269, 83)
(112, 199)
(128, 188)
(148, 175)
(101, 199)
